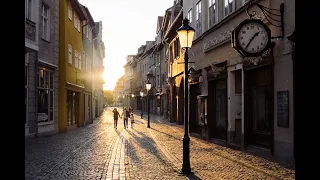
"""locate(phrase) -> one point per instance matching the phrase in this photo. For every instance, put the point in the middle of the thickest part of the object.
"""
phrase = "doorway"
(181, 104)
(73, 108)
(259, 107)
(218, 109)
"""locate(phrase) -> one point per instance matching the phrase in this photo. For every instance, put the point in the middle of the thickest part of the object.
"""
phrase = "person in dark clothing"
(116, 114)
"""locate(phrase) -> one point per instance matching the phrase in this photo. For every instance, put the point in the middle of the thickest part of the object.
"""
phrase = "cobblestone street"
(98, 151)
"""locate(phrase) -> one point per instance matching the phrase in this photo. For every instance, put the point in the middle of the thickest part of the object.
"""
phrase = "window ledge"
(45, 40)
(45, 123)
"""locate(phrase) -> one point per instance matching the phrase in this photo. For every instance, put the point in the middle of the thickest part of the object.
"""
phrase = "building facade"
(41, 66)
(175, 64)
(87, 40)
(97, 70)
(236, 101)
(71, 74)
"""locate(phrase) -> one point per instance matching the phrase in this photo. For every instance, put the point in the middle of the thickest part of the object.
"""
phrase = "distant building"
(97, 70)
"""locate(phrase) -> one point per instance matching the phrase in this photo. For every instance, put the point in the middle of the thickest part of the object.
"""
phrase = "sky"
(127, 24)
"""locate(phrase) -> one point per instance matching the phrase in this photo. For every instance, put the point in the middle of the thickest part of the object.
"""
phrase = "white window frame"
(190, 16)
(75, 20)
(69, 12)
(79, 62)
(27, 12)
(211, 4)
(69, 54)
(76, 58)
(45, 35)
(78, 25)
(48, 90)
(198, 18)
(233, 7)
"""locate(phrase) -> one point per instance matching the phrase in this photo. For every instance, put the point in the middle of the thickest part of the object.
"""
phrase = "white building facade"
(97, 70)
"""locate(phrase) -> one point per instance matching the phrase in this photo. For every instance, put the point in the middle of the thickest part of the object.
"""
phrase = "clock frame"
(235, 40)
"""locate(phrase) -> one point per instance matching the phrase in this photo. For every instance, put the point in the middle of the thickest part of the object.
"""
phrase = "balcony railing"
(30, 30)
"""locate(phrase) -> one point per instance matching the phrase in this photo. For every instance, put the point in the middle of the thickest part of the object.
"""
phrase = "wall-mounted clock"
(251, 38)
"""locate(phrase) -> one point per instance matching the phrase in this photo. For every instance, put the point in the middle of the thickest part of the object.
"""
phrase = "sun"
(111, 76)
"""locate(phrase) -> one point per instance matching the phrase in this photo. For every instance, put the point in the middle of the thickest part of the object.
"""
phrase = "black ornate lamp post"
(186, 33)
(148, 86)
(131, 102)
(141, 94)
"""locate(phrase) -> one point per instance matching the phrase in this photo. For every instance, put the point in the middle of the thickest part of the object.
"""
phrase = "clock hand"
(256, 34)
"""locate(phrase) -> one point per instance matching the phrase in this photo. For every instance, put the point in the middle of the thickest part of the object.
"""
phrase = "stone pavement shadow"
(166, 134)
(191, 176)
(146, 143)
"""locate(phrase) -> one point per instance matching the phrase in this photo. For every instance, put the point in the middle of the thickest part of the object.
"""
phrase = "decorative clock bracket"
(268, 14)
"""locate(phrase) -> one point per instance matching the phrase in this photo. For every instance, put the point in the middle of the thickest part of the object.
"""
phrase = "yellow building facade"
(71, 84)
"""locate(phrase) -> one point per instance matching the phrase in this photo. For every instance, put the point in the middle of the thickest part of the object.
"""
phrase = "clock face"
(253, 37)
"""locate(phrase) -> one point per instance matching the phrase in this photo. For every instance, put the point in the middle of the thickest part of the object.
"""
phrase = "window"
(45, 23)
(190, 16)
(70, 12)
(76, 22)
(78, 25)
(26, 93)
(80, 63)
(212, 13)
(76, 59)
(198, 19)
(45, 95)
(228, 7)
(28, 9)
(69, 54)
(176, 49)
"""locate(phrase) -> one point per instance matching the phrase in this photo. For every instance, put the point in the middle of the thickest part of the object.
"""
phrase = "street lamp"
(131, 102)
(186, 33)
(148, 86)
(141, 94)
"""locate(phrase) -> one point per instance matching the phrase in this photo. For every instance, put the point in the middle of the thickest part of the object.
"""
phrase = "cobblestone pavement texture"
(211, 161)
(98, 151)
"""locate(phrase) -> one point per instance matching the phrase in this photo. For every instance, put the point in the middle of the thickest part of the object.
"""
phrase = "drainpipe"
(36, 96)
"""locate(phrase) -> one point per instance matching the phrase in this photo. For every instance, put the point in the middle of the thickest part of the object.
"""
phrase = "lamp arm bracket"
(267, 12)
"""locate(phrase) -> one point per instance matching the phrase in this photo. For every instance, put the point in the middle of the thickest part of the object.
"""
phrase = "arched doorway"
(181, 103)
(174, 104)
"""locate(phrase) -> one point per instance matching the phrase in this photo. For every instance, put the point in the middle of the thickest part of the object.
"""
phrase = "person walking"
(132, 120)
(116, 114)
(125, 114)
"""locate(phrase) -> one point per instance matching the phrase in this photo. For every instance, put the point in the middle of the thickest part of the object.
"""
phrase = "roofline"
(77, 6)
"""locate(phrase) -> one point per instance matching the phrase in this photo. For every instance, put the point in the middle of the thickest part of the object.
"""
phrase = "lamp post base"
(186, 155)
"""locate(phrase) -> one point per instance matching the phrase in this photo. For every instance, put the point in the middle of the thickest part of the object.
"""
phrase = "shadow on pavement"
(146, 143)
(166, 134)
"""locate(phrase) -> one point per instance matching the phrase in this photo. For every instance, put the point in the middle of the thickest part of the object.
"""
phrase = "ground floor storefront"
(41, 95)
(242, 104)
